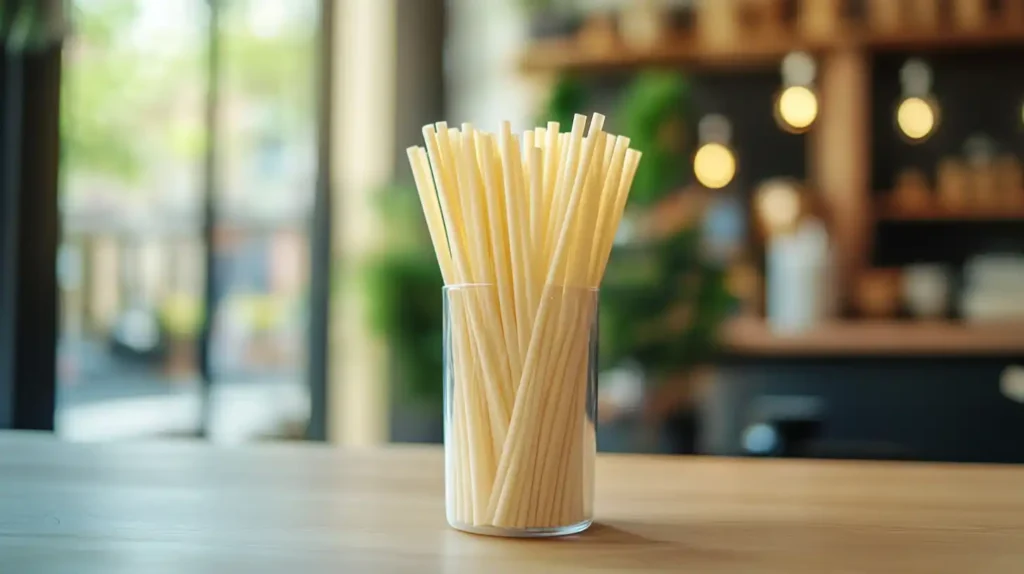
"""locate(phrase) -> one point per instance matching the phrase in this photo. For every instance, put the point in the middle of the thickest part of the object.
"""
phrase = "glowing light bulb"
(714, 165)
(915, 118)
(797, 108)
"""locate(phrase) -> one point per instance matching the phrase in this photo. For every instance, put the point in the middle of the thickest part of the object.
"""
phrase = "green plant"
(654, 112)
(403, 288)
(662, 302)
(568, 97)
(547, 6)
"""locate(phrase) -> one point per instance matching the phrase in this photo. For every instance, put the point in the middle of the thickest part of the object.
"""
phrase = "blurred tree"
(273, 66)
(130, 101)
(98, 116)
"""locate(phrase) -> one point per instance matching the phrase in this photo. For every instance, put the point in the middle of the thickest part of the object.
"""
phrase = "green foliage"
(406, 310)
(103, 23)
(24, 28)
(129, 106)
(535, 7)
(654, 112)
(278, 69)
(568, 98)
(662, 304)
(99, 117)
(403, 286)
(661, 301)
(399, 208)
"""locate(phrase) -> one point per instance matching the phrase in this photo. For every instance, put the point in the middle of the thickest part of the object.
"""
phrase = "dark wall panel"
(919, 409)
(978, 92)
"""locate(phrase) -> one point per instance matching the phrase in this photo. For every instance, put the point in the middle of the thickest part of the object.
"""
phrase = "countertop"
(155, 507)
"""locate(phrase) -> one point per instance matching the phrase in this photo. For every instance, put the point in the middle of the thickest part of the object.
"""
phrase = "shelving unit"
(567, 56)
(839, 160)
(936, 213)
(877, 338)
(563, 55)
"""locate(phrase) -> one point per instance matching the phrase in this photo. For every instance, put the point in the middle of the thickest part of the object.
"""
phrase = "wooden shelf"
(876, 337)
(940, 214)
(909, 40)
(567, 55)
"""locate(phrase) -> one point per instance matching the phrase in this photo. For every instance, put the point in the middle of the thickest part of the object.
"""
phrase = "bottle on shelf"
(970, 14)
(952, 179)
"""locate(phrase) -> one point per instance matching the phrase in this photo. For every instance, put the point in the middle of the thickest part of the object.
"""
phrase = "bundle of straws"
(522, 227)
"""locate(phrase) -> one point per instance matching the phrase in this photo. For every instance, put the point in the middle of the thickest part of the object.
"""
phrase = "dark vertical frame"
(210, 175)
(10, 145)
(419, 99)
(29, 219)
(320, 233)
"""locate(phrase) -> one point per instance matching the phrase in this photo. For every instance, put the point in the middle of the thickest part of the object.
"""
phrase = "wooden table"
(150, 508)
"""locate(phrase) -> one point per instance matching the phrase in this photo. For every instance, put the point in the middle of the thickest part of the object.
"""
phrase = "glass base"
(548, 532)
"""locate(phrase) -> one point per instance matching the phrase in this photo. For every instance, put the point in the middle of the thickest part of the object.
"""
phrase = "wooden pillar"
(840, 160)
(363, 136)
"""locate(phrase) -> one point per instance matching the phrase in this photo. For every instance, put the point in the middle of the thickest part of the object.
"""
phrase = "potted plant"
(662, 300)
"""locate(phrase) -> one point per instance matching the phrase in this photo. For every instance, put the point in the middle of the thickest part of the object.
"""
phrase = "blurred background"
(209, 228)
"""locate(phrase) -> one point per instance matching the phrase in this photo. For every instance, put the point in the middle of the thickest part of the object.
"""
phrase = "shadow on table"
(609, 546)
(626, 544)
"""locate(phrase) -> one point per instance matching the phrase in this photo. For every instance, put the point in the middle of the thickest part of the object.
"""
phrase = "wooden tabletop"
(191, 508)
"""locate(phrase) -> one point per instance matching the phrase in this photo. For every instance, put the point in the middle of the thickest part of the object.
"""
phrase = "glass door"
(130, 265)
(139, 143)
(267, 167)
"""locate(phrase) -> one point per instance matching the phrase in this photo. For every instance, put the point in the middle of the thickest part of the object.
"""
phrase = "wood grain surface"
(149, 508)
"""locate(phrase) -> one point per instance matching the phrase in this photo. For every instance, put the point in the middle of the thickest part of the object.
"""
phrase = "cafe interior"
(822, 255)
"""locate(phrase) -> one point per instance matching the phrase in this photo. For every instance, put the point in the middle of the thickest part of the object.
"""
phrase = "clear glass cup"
(520, 410)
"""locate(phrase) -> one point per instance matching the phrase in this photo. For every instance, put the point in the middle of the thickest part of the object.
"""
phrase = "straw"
(522, 427)
(522, 228)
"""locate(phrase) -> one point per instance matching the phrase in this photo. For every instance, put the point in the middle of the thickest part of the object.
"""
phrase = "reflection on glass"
(267, 160)
(131, 266)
